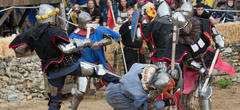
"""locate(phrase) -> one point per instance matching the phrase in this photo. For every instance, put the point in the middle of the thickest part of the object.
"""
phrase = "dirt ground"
(223, 99)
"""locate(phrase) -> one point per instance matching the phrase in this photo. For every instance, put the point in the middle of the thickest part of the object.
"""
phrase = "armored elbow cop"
(196, 66)
(219, 39)
(22, 51)
(74, 45)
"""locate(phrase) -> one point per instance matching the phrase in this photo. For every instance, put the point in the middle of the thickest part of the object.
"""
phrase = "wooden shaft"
(88, 32)
(174, 47)
(204, 88)
(124, 60)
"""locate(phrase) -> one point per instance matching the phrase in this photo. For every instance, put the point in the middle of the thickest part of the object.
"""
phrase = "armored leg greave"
(78, 93)
(204, 98)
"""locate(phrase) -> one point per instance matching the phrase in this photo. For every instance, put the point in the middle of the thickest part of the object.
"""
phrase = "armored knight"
(139, 88)
(196, 34)
(59, 56)
(192, 47)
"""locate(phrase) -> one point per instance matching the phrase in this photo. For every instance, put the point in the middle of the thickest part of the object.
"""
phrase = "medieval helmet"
(83, 19)
(46, 13)
(183, 23)
(164, 9)
(161, 80)
(187, 9)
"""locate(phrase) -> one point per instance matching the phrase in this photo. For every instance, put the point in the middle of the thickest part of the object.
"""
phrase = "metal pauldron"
(164, 9)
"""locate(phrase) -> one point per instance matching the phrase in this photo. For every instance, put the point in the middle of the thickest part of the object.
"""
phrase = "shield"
(135, 19)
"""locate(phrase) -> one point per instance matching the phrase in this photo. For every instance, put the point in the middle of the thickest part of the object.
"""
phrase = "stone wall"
(21, 78)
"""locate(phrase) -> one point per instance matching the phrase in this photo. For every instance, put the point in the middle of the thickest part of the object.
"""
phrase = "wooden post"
(62, 14)
(23, 18)
(4, 17)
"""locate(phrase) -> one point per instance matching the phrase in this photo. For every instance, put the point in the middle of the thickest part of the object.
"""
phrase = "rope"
(67, 21)
(16, 7)
(236, 11)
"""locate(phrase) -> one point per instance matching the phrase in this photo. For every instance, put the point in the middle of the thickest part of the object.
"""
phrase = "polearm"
(174, 43)
(124, 60)
(204, 88)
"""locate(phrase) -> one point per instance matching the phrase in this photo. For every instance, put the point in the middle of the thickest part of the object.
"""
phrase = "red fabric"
(190, 77)
(110, 19)
(223, 66)
(83, 32)
(177, 94)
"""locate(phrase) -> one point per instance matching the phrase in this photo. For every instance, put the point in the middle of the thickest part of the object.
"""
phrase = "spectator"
(122, 12)
(81, 3)
(105, 12)
(201, 13)
(93, 11)
(229, 16)
(133, 51)
(100, 4)
(132, 3)
(73, 18)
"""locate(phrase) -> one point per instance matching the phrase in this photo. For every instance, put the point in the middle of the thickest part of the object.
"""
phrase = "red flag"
(110, 19)
(223, 66)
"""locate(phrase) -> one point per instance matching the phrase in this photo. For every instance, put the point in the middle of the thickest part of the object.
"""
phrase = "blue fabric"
(19, 11)
(32, 16)
(81, 2)
(54, 102)
(132, 3)
(91, 55)
(134, 22)
(59, 72)
(132, 86)
(116, 99)
(129, 93)
(105, 12)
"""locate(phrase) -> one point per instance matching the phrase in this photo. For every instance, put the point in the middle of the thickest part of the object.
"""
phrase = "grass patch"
(223, 83)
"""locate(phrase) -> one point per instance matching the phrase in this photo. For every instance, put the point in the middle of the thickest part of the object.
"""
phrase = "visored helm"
(44, 13)
(187, 9)
(83, 19)
(160, 80)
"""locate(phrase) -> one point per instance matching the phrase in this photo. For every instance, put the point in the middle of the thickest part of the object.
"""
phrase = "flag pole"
(113, 15)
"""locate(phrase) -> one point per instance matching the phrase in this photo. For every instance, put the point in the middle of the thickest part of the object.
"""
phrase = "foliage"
(223, 83)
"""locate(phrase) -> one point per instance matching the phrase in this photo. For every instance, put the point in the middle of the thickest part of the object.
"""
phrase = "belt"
(132, 48)
(67, 60)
